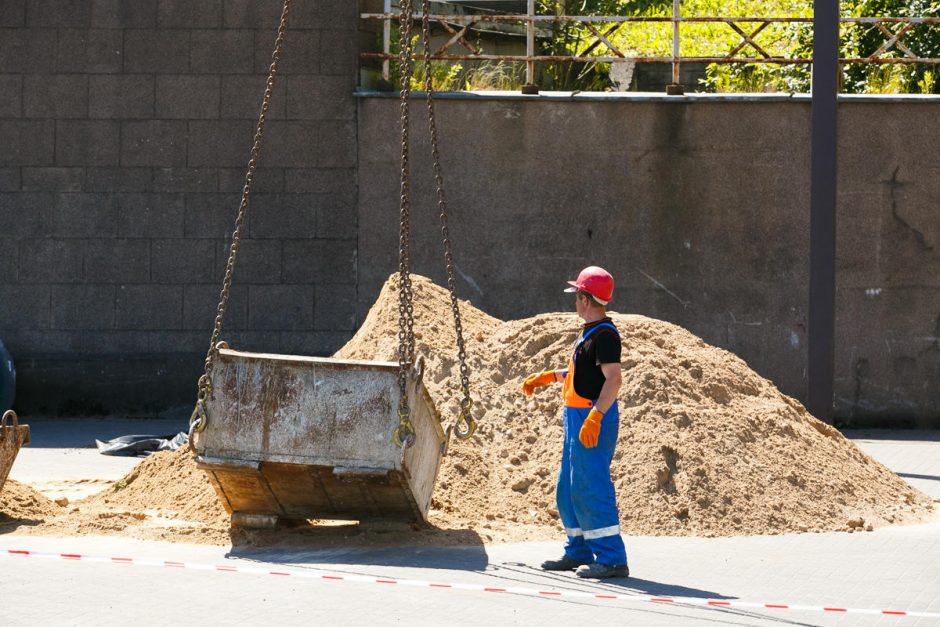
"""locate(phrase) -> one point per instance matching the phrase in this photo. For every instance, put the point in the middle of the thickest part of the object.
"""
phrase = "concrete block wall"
(125, 129)
(701, 212)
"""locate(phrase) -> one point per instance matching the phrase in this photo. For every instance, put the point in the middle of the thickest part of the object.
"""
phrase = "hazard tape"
(532, 592)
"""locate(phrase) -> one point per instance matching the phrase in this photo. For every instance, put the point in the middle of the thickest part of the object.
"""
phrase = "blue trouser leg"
(590, 492)
(575, 547)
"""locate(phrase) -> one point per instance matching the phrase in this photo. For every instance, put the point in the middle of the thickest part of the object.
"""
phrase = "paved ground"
(894, 568)
(62, 450)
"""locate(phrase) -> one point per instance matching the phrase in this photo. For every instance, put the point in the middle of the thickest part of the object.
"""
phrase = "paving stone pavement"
(894, 568)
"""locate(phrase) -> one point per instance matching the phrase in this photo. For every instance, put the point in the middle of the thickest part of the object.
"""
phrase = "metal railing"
(459, 27)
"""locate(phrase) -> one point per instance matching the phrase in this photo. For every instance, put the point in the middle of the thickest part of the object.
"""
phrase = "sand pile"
(165, 497)
(19, 502)
(169, 485)
(707, 446)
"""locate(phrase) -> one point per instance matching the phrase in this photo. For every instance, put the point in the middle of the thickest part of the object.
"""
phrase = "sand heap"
(168, 485)
(165, 497)
(19, 503)
(707, 446)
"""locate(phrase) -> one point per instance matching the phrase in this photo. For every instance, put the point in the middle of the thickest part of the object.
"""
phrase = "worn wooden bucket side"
(13, 436)
(302, 437)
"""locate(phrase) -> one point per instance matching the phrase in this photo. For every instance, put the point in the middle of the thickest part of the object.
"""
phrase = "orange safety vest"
(571, 398)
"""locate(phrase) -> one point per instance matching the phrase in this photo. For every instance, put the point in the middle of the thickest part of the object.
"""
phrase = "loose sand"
(22, 505)
(707, 447)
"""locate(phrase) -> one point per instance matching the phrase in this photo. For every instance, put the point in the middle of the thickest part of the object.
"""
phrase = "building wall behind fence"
(124, 133)
(125, 129)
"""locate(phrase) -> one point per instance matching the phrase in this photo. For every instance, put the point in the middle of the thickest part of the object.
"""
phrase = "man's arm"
(611, 386)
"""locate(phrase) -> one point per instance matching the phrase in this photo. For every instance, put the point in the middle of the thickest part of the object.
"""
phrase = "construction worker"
(585, 493)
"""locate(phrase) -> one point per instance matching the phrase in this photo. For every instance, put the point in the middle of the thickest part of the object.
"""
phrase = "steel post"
(822, 245)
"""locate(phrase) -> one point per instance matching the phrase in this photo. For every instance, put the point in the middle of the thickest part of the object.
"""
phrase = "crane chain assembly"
(199, 418)
(404, 436)
(464, 426)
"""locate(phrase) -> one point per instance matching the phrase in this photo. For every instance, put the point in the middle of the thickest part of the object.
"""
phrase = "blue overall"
(585, 493)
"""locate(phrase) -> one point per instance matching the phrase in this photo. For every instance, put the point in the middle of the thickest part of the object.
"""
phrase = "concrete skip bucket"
(291, 438)
(13, 436)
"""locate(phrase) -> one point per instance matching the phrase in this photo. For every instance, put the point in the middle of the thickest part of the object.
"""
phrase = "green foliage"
(648, 39)
(448, 76)
(718, 39)
(864, 40)
(723, 78)
(927, 83)
(654, 39)
(490, 76)
(444, 76)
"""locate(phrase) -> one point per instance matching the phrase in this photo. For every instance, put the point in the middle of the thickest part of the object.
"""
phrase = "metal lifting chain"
(404, 435)
(198, 420)
(465, 425)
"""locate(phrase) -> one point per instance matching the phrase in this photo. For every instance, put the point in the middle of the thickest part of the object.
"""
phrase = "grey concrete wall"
(125, 128)
(701, 212)
(888, 296)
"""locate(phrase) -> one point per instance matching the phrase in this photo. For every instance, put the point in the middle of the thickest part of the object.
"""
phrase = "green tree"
(717, 39)
(863, 40)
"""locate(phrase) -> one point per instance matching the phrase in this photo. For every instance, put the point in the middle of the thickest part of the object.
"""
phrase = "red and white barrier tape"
(535, 592)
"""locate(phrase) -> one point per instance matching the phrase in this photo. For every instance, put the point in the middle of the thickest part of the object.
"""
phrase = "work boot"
(602, 571)
(563, 563)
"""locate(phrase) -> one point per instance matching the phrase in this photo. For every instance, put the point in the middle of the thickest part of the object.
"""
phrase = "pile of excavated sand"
(19, 502)
(165, 497)
(167, 484)
(707, 446)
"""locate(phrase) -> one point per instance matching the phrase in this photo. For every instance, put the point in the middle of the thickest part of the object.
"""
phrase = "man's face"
(580, 303)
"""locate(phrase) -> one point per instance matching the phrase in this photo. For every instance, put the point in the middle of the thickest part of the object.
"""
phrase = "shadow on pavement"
(396, 545)
(9, 525)
(524, 572)
(525, 575)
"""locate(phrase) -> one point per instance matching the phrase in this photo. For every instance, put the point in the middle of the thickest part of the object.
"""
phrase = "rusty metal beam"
(463, 19)
(604, 39)
(612, 59)
(894, 39)
(457, 37)
(748, 40)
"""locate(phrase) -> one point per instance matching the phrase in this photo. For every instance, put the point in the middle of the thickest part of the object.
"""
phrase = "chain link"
(465, 425)
(404, 436)
(198, 420)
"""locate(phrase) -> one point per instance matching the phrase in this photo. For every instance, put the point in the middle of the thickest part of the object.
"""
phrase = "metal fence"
(601, 28)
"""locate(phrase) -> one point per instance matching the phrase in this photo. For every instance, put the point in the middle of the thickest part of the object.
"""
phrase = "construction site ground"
(893, 568)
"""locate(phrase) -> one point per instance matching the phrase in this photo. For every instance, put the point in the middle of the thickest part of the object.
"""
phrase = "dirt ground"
(707, 448)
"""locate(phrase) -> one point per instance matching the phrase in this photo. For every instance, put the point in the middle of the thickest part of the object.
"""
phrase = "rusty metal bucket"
(291, 437)
(12, 437)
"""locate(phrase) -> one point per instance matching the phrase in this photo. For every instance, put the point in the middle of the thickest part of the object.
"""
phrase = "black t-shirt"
(601, 347)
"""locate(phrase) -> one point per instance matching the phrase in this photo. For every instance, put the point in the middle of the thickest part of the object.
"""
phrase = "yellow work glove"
(537, 380)
(591, 429)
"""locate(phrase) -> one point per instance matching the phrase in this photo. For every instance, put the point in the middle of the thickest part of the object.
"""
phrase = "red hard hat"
(595, 281)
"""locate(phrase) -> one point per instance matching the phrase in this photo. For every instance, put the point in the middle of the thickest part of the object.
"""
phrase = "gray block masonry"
(126, 129)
